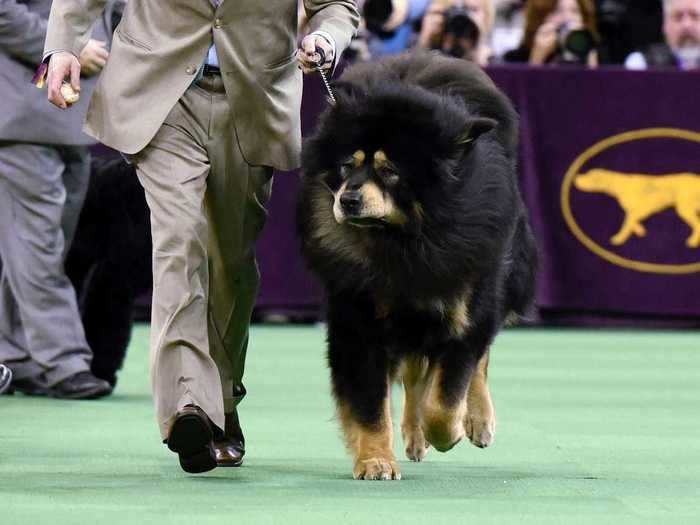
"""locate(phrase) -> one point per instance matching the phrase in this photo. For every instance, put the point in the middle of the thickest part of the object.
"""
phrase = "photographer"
(459, 28)
(681, 48)
(558, 32)
(391, 24)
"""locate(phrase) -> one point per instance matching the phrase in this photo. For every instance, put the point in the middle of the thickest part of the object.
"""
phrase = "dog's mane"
(460, 86)
(427, 101)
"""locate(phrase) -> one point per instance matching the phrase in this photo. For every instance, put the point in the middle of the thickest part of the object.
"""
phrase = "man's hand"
(308, 57)
(545, 42)
(93, 57)
(61, 65)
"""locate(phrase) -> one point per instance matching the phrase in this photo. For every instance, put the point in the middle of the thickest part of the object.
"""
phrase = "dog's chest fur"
(421, 324)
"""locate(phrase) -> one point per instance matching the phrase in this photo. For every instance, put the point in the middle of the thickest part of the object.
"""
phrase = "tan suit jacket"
(160, 45)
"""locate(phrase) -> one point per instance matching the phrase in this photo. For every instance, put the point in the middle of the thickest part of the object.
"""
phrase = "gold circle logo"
(613, 258)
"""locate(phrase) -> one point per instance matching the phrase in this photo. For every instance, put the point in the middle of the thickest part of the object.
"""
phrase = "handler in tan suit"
(204, 96)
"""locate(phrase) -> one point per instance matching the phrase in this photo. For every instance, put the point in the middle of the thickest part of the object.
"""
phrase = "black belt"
(211, 70)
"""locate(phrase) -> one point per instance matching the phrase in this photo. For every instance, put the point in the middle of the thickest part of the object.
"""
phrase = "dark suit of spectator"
(44, 169)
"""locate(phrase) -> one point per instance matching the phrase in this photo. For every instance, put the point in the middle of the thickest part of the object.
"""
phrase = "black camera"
(575, 45)
(459, 23)
(460, 34)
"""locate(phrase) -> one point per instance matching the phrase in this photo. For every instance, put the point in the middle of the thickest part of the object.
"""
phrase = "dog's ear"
(474, 129)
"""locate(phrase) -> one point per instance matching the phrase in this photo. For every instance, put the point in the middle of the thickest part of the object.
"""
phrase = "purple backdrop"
(563, 112)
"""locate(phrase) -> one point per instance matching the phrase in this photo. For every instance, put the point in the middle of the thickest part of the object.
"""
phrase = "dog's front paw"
(416, 445)
(481, 429)
(377, 468)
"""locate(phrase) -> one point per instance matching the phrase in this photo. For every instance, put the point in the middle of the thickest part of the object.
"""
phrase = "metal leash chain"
(319, 68)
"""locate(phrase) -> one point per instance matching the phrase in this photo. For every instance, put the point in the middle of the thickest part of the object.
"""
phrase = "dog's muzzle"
(351, 203)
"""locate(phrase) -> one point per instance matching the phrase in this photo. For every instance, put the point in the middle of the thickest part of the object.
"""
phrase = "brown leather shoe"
(191, 437)
(228, 453)
(229, 450)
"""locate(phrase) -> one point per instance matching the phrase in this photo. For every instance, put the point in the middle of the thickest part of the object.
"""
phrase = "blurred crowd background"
(634, 33)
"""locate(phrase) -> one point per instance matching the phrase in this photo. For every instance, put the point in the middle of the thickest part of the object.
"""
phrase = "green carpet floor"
(593, 427)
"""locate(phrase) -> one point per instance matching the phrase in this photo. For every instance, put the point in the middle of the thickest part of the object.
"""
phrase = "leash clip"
(319, 68)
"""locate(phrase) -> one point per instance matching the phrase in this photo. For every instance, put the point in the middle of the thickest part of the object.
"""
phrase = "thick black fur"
(109, 261)
(453, 136)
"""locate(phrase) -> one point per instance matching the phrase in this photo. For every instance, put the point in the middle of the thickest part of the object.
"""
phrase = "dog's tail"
(521, 280)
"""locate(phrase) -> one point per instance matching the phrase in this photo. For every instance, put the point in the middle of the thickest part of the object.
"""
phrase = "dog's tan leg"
(688, 211)
(480, 423)
(414, 374)
(443, 424)
(372, 447)
(628, 227)
(639, 230)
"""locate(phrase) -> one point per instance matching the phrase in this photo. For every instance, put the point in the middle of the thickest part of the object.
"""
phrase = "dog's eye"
(389, 174)
(346, 168)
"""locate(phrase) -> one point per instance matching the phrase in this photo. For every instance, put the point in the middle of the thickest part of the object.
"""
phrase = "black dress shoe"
(191, 438)
(5, 379)
(230, 450)
(82, 385)
(105, 374)
(29, 386)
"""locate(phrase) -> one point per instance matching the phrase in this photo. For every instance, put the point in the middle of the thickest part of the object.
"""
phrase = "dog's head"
(363, 190)
(392, 155)
(594, 180)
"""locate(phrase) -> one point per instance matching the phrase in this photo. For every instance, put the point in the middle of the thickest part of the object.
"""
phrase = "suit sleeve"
(70, 25)
(338, 18)
(22, 32)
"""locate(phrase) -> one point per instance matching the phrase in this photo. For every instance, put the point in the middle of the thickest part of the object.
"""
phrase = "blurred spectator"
(626, 26)
(5, 378)
(391, 24)
(508, 26)
(558, 31)
(681, 49)
(44, 167)
(459, 28)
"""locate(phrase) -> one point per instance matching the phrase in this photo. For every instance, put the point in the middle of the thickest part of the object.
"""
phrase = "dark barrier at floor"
(610, 169)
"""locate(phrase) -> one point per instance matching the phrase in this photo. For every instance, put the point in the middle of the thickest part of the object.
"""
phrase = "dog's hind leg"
(446, 403)
(414, 373)
(480, 422)
(687, 210)
(445, 408)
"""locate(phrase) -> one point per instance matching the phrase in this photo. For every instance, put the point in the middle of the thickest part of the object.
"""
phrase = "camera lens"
(579, 43)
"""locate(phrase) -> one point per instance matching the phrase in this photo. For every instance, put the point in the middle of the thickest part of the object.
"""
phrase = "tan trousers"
(207, 209)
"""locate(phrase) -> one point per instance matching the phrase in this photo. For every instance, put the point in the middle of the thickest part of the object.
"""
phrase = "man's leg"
(31, 248)
(235, 202)
(173, 170)
(76, 178)
(12, 342)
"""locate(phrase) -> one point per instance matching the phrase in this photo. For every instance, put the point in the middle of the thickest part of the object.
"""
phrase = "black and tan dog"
(411, 216)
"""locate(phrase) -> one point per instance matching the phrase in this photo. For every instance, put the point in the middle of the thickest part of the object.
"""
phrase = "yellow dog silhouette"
(641, 196)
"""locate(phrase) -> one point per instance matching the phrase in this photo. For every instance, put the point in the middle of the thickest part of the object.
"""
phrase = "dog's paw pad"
(416, 445)
(481, 431)
(376, 469)
(416, 452)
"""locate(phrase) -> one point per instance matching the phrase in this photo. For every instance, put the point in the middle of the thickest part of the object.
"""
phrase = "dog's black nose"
(351, 201)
